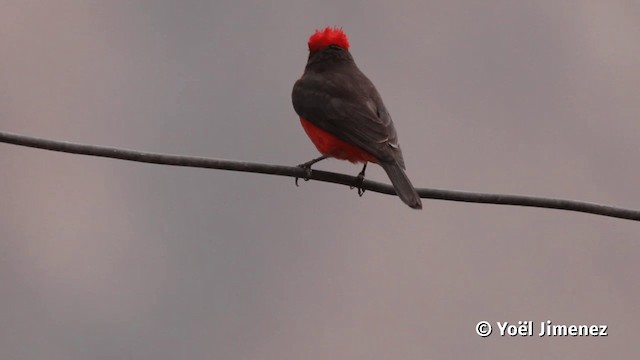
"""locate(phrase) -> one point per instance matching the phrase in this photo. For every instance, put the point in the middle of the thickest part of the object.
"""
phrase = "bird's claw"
(359, 181)
(307, 167)
(358, 184)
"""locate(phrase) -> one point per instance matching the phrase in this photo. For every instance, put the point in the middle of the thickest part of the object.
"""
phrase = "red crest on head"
(329, 36)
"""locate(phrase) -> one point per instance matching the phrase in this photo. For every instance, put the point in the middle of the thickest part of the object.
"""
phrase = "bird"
(343, 114)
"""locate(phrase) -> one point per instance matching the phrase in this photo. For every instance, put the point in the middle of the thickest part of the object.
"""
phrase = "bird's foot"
(307, 167)
(359, 181)
(307, 175)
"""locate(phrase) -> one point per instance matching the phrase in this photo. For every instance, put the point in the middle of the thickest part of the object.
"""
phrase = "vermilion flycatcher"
(343, 114)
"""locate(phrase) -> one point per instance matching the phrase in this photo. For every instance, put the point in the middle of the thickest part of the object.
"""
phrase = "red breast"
(328, 144)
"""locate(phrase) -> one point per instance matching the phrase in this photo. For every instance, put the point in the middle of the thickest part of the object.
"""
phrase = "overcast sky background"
(106, 259)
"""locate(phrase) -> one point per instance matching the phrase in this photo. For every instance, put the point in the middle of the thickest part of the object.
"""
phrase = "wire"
(296, 172)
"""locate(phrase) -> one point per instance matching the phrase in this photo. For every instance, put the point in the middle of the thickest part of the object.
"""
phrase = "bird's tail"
(402, 185)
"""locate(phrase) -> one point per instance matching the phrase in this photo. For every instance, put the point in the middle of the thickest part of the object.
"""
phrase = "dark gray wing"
(344, 102)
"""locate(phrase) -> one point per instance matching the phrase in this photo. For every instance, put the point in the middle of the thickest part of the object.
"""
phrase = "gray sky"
(105, 259)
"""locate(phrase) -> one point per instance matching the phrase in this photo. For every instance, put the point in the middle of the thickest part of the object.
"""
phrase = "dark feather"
(334, 95)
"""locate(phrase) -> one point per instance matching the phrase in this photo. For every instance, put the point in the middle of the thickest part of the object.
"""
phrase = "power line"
(293, 171)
